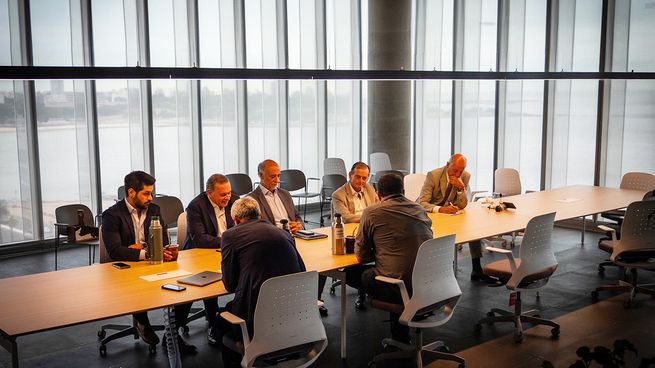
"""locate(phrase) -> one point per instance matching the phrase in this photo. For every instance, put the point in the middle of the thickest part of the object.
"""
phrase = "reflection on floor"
(567, 297)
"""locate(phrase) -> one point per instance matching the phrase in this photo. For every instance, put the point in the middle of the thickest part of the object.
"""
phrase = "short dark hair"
(359, 165)
(390, 184)
(137, 180)
(215, 179)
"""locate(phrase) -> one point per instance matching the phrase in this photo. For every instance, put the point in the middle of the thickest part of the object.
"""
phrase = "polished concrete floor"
(567, 297)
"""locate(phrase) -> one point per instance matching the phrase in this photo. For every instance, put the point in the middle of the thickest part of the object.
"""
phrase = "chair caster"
(594, 296)
(518, 337)
(185, 330)
(601, 270)
(103, 350)
(332, 290)
(152, 349)
(554, 333)
(101, 334)
(477, 328)
(461, 366)
(444, 349)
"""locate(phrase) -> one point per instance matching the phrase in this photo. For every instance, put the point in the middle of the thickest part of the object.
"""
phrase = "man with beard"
(125, 228)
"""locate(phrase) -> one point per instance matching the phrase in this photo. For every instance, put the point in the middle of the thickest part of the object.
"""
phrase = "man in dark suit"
(276, 204)
(125, 228)
(208, 217)
(252, 252)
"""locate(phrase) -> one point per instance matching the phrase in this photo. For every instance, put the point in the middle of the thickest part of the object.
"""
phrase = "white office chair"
(435, 295)
(286, 323)
(635, 250)
(334, 165)
(379, 161)
(181, 229)
(529, 272)
(413, 184)
(507, 182)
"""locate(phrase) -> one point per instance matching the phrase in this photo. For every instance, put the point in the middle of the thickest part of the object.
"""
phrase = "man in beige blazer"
(350, 200)
(353, 197)
(446, 191)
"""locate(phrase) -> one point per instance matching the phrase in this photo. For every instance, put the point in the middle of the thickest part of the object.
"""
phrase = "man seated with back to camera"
(125, 228)
(390, 234)
(276, 204)
(252, 252)
(445, 190)
(350, 200)
(208, 217)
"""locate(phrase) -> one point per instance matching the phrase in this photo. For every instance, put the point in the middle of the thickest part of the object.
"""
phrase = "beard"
(141, 205)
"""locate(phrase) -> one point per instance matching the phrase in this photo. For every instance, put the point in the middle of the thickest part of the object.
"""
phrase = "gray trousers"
(476, 249)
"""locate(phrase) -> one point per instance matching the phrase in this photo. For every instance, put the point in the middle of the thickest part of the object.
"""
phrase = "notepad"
(165, 275)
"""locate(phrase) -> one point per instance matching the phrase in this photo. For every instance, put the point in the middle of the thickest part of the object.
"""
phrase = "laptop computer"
(201, 279)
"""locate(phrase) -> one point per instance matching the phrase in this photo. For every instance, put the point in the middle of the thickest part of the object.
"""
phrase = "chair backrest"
(638, 229)
(413, 184)
(536, 252)
(379, 161)
(181, 229)
(382, 173)
(68, 215)
(121, 193)
(334, 165)
(104, 256)
(638, 181)
(507, 182)
(171, 207)
(286, 316)
(241, 183)
(292, 180)
(650, 196)
(433, 283)
(331, 182)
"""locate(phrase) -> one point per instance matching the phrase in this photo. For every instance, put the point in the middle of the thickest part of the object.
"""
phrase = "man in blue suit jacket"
(208, 217)
(253, 251)
(125, 229)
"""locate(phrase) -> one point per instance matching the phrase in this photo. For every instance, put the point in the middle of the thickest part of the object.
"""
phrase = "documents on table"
(165, 275)
(568, 200)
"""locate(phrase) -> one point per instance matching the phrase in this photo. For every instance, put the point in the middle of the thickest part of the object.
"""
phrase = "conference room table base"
(9, 343)
(340, 274)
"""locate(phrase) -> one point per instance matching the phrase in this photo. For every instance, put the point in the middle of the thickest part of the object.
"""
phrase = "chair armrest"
(231, 318)
(506, 252)
(609, 230)
(398, 282)
(307, 184)
(475, 193)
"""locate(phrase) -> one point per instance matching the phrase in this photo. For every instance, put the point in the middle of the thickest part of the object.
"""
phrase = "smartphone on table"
(121, 265)
(173, 287)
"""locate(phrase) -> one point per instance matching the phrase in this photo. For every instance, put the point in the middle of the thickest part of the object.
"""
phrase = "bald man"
(446, 191)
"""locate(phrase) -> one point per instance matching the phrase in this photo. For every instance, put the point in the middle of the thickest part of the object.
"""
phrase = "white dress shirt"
(359, 200)
(220, 217)
(276, 205)
(139, 230)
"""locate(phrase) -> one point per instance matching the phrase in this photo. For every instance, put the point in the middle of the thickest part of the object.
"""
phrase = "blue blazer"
(286, 199)
(118, 231)
(252, 253)
(202, 225)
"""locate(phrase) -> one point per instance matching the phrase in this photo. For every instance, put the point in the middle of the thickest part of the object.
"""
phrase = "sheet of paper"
(165, 275)
(568, 200)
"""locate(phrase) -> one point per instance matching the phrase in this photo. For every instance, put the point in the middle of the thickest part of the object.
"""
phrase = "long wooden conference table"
(51, 300)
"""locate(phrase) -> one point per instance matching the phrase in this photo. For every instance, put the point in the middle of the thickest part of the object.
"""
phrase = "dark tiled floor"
(567, 291)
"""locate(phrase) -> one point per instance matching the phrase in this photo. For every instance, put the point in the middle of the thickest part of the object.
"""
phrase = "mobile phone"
(121, 265)
(173, 287)
(305, 232)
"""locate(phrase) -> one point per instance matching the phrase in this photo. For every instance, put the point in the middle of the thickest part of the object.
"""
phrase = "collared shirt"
(359, 200)
(220, 217)
(276, 205)
(137, 222)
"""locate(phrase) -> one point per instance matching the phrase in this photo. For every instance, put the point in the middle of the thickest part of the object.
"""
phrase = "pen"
(163, 273)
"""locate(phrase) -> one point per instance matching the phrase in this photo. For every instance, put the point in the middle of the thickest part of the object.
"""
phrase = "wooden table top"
(63, 298)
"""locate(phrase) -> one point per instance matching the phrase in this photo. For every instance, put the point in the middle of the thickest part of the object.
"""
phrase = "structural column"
(389, 102)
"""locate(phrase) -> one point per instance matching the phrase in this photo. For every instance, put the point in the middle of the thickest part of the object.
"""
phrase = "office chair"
(287, 327)
(331, 182)
(635, 250)
(241, 183)
(293, 180)
(529, 272)
(121, 330)
(334, 165)
(507, 182)
(434, 298)
(68, 223)
(631, 180)
(121, 193)
(413, 185)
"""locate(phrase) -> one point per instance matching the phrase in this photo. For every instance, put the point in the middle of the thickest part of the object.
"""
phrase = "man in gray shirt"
(390, 234)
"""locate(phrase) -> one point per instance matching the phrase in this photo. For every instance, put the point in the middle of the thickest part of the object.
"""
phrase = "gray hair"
(246, 208)
(215, 179)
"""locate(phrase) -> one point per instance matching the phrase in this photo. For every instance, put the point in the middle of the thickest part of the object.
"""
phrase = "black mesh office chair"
(331, 183)
(68, 223)
(241, 183)
(293, 180)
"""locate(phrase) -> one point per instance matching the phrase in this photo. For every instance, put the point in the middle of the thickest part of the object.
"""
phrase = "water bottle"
(338, 237)
(285, 225)
(156, 246)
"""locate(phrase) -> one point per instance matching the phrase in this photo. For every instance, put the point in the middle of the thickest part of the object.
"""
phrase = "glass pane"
(169, 33)
(478, 107)
(5, 39)
(51, 32)
(115, 40)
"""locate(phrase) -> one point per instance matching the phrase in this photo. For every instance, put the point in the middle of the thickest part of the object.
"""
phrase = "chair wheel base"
(477, 328)
(185, 330)
(332, 290)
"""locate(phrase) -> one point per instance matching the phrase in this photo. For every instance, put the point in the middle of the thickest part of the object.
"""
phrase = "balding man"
(276, 204)
(446, 191)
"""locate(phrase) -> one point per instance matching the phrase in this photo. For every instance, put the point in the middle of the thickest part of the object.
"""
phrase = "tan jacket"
(343, 202)
(434, 190)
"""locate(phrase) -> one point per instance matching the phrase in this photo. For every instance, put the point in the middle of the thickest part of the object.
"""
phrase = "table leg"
(583, 229)
(174, 359)
(455, 261)
(344, 299)
(9, 343)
